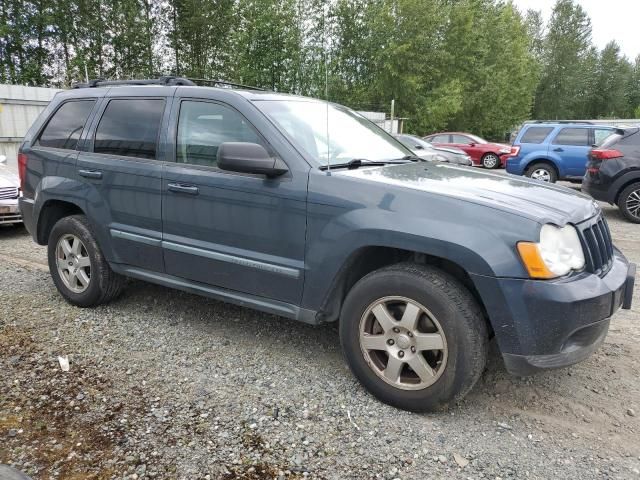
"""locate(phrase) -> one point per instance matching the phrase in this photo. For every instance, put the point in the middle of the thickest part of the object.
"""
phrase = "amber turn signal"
(530, 255)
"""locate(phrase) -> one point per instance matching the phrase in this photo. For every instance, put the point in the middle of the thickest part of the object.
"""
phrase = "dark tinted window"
(65, 127)
(203, 126)
(130, 128)
(573, 136)
(535, 134)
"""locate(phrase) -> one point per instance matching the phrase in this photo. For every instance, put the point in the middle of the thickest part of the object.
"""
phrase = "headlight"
(505, 150)
(558, 252)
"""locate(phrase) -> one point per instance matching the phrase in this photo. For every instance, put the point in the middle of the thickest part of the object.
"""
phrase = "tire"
(490, 161)
(103, 284)
(542, 172)
(629, 202)
(448, 306)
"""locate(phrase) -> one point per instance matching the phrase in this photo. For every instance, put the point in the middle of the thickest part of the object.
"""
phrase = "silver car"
(424, 149)
(9, 194)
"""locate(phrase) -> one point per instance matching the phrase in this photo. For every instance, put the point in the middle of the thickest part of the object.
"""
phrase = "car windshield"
(350, 136)
(476, 139)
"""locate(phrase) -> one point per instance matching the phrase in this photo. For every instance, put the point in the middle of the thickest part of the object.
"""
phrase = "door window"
(65, 127)
(204, 126)
(535, 134)
(130, 127)
(461, 139)
(573, 136)
(440, 139)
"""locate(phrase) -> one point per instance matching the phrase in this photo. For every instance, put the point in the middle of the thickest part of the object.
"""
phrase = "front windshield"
(350, 135)
(477, 139)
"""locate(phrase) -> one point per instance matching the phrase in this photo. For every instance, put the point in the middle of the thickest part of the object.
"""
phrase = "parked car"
(9, 194)
(424, 149)
(487, 154)
(554, 151)
(250, 197)
(613, 172)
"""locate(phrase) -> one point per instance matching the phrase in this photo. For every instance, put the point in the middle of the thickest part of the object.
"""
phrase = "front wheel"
(542, 172)
(413, 336)
(491, 161)
(629, 202)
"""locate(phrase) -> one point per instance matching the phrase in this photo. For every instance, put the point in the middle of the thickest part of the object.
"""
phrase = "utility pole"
(393, 105)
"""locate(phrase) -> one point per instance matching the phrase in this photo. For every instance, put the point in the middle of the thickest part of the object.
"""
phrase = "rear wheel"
(413, 336)
(78, 268)
(491, 161)
(542, 172)
(629, 202)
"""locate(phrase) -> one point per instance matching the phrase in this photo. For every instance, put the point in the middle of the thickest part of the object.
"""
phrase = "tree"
(566, 46)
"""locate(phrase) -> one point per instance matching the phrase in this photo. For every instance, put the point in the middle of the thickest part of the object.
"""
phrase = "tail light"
(22, 169)
(605, 154)
(515, 150)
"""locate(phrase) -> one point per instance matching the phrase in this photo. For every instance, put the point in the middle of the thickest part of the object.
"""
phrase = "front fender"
(476, 238)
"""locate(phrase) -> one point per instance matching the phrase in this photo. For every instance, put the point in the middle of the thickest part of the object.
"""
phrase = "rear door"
(123, 172)
(571, 145)
(241, 232)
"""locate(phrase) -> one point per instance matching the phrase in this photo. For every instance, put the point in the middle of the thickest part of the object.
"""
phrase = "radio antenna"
(325, 45)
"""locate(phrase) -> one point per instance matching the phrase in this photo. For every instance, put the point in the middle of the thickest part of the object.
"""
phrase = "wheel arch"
(367, 259)
(544, 160)
(50, 213)
(623, 182)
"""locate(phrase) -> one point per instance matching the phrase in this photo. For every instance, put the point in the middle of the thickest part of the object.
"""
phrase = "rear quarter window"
(535, 134)
(65, 126)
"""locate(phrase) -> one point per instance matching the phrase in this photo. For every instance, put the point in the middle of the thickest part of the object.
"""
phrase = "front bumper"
(9, 212)
(551, 324)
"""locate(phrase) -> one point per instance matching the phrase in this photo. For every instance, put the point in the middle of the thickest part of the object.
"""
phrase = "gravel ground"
(163, 384)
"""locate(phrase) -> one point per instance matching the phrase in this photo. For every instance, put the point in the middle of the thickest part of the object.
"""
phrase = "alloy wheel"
(633, 203)
(403, 343)
(73, 262)
(541, 174)
(490, 161)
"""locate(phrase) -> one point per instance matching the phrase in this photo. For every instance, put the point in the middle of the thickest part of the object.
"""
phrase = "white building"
(19, 107)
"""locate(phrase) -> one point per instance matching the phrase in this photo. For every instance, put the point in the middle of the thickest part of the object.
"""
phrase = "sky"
(610, 20)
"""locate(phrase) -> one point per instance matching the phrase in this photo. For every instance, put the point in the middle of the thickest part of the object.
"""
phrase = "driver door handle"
(558, 149)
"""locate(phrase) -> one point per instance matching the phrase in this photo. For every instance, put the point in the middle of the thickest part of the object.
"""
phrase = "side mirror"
(419, 147)
(472, 144)
(246, 157)
(3, 159)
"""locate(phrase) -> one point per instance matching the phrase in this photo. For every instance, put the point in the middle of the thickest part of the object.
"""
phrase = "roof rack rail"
(577, 122)
(225, 83)
(166, 81)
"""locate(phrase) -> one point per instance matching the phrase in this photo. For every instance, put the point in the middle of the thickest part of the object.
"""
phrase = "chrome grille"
(8, 192)
(598, 246)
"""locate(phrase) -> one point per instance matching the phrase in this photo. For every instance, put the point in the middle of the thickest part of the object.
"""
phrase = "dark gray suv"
(306, 210)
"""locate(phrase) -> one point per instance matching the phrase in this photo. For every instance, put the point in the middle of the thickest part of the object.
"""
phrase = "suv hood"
(532, 199)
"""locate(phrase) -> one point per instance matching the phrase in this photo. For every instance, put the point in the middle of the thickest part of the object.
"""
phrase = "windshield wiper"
(360, 162)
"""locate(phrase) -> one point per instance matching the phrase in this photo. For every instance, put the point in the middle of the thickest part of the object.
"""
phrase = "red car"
(487, 154)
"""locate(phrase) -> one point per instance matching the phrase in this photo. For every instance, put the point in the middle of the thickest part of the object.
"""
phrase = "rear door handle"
(180, 188)
(558, 150)
(97, 174)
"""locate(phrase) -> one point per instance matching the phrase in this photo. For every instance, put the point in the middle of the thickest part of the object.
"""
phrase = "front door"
(241, 232)
(123, 175)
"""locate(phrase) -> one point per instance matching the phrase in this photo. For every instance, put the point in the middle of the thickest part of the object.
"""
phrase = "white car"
(9, 194)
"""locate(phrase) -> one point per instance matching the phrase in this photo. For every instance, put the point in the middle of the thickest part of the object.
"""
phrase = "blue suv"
(554, 151)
